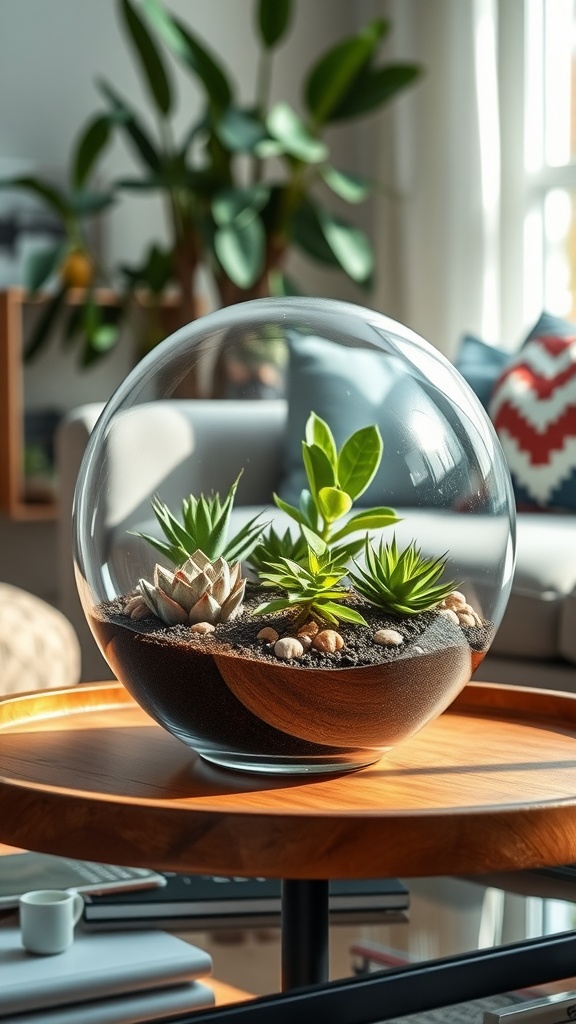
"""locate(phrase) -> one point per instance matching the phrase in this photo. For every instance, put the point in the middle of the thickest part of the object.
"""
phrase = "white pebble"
(288, 648)
(388, 637)
(449, 614)
(455, 600)
(466, 619)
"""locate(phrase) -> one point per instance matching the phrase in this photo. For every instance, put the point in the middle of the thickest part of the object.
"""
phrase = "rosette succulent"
(198, 591)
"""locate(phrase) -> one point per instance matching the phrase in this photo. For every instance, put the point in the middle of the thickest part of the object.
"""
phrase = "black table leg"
(304, 933)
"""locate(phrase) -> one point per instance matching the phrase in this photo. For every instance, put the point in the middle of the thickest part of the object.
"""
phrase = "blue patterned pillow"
(481, 365)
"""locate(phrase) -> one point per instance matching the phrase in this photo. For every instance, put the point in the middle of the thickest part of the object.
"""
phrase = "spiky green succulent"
(403, 582)
(314, 590)
(204, 526)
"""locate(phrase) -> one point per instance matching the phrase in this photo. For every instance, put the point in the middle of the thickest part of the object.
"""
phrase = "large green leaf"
(89, 147)
(373, 88)
(241, 251)
(52, 196)
(240, 131)
(190, 51)
(124, 116)
(239, 205)
(333, 75)
(86, 203)
(40, 264)
(350, 245)
(285, 125)
(273, 20)
(351, 187)
(359, 459)
(151, 62)
(369, 519)
(308, 235)
(333, 503)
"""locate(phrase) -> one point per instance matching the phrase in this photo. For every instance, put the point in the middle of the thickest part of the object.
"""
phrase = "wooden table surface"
(490, 785)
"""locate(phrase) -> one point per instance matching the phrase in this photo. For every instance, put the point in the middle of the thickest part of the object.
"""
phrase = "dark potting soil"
(427, 632)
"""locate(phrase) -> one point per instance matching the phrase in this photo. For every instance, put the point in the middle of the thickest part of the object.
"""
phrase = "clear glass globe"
(390, 563)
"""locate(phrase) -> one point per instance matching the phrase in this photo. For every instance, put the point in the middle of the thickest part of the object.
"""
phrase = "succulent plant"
(400, 581)
(314, 589)
(335, 480)
(204, 526)
(198, 591)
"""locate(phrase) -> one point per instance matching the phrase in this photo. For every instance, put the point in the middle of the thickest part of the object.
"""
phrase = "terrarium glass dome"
(342, 594)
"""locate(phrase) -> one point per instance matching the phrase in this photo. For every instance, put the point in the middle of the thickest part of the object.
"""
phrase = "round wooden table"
(489, 786)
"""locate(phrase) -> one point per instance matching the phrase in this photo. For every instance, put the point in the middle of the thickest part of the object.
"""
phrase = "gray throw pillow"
(354, 387)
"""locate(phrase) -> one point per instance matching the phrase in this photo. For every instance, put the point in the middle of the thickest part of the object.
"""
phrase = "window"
(550, 158)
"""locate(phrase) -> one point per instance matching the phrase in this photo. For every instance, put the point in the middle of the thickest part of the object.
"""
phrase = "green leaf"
(239, 131)
(190, 51)
(347, 614)
(319, 471)
(318, 432)
(315, 543)
(41, 333)
(241, 251)
(333, 75)
(41, 264)
(308, 235)
(290, 510)
(86, 204)
(238, 205)
(123, 115)
(287, 127)
(151, 63)
(333, 503)
(89, 147)
(359, 459)
(350, 245)
(52, 196)
(351, 187)
(105, 337)
(279, 605)
(273, 20)
(374, 88)
(370, 519)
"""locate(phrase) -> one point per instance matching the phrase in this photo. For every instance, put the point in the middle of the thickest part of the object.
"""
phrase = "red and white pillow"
(533, 408)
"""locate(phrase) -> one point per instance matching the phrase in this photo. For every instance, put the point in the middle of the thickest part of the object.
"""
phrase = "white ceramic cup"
(47, 919)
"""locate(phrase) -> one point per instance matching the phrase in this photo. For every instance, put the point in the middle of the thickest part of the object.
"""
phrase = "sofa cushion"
(533, 409)
(481, 365)
(534, 623)
(351, 388)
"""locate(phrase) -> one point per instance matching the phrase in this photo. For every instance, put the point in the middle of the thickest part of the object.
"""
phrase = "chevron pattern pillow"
(533, 408)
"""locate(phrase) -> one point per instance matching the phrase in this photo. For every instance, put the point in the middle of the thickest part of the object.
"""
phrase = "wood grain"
(490, 785)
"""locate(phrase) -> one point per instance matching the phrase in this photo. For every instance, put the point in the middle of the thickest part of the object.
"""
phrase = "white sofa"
(195, 446)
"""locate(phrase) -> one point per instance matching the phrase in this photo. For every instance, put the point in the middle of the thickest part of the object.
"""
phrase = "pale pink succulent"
(198, 591)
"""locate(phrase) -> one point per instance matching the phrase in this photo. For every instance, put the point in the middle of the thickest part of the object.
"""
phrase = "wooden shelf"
(12, 502)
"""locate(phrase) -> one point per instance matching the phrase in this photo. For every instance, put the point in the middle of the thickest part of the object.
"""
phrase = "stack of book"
(102, 979)
(197, 902)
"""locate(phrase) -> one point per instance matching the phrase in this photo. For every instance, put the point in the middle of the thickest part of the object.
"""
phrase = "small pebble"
(466, 619)
(305, 640)
(287, 648)
(309, 628)
(388, 637)
(328, 641)
(449, 614)
(137, 608)
(202, 627)
(268, 635)
(455, 600)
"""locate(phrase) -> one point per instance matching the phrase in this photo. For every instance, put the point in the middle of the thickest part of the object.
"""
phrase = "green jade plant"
(308, 570)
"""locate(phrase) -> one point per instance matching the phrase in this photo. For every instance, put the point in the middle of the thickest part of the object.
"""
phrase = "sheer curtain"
(440, 243)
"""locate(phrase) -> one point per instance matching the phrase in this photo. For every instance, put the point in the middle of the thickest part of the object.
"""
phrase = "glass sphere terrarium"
(295, 585)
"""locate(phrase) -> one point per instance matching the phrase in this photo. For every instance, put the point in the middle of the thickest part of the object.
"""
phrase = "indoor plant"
(244, 184)
(288, 691)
